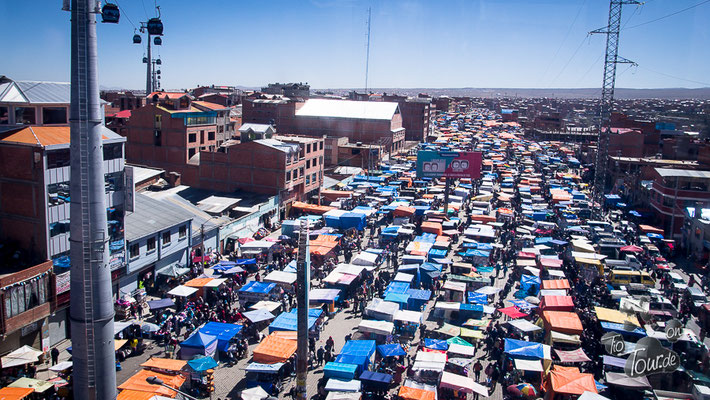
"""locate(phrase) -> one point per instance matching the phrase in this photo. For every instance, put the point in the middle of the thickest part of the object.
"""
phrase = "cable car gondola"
(158, 61)
(137, 39)
(145, 60)
(110, 13)
(157, 41)
(155, 26)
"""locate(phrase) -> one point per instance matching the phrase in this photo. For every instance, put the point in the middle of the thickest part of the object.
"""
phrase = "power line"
(676, 77)
(144, 10)
(670, 15)
(584, 2)
(570, 59)
(123, 12)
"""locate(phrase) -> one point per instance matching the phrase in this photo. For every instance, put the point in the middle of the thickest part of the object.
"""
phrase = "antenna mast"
(367, 57)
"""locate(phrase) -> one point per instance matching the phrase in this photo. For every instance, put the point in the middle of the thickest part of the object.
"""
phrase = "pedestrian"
(55, 355)
(493, 279)
(319, 355)
(477, 367)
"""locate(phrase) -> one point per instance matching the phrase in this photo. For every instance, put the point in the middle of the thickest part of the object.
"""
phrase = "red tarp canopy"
(557, 303)
(631, 249)
(512, 312)
(570, 382)
(564, 322)
(555, 284)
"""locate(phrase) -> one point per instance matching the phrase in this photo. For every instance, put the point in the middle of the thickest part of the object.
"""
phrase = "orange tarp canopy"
(311, 208)
(198, 282)
(557, 303)
(650, 229)
(555, 284)
(136, 395)
(323, 244)
(562, 321)
(334, 194)
(137, 382)
(274, 349)
(408, 393)
(13, 393)
(483, 218)
(570, 382)
(432, 227)
(168, 364)
(402, 211)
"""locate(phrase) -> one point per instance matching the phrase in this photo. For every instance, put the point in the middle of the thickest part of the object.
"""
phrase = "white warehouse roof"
(348, 109)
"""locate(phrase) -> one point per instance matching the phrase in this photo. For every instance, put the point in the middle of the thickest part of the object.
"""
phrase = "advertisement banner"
(63, 282)
(449, 164)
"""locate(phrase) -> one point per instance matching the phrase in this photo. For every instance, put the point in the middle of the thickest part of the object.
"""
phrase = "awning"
(23, 355)
(182, 291)
(623, 380)
(528, 365)
(572, 356)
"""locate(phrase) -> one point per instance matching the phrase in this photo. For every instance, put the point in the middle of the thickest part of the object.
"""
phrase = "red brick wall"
(22, 202)
(628, 144)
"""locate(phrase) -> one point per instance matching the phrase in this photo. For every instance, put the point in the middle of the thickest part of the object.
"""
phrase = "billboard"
(449, 164)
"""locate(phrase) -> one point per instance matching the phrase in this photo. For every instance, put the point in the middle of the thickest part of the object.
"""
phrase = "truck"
(633, 261)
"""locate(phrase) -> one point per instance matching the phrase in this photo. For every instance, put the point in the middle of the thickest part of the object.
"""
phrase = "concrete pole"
(91, 307)
(303, 271)
(149, 72)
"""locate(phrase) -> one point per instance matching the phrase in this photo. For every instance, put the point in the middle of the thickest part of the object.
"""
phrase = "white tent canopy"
(376, 327)
(429, 361)
(23, 355)
(524, 325)
(281, 277)
(182, 291)
(408, 316)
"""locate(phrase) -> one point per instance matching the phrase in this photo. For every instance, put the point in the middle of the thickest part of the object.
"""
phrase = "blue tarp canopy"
(436, 344)
(419, 294)
(375, 378)
(523, 349)
(359, 348)
(477, 298)
(401, 298)
(340, 370)
(619, 328)
(522, 304)
(162, 303)
(223, 331)
(391, 350)
(288, 321)
(258, 287)
(543, 240)
(198, 343)
(202, 364)
(420, 210)
(353, 220)
(654, 235)
(529, 281)
(558, 242)
(397, 287)
(245, 261)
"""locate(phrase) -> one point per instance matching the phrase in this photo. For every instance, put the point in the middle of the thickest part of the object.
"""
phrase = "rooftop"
(348, 109)
(210, 106)
(682, 173)
(169, 95)
(38, 92)
(297, 139)
(278, 145)
(258, 128)
(152, 216)
(44, 136)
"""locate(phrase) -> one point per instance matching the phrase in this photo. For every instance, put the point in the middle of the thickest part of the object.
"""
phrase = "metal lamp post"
(154, 380)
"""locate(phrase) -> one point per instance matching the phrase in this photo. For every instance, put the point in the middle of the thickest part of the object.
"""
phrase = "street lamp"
(154, 380)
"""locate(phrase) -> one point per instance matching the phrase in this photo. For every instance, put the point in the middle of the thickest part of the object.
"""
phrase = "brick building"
(442, 104)
(675, 189)
(416, 113)
(170, 130)
(359, 121)
(278, 111)
(33, 103)
(294, 90)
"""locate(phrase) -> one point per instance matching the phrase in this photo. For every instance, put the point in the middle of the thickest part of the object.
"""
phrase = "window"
(189, 121)
(202, 137)
(25, 116)
(158, 137)
(192, 137)
(313, 178)
(166, 238)
(182, 232)
(4, 115)
(300, 171)
(315, 162)
(210, 135)
(288, 176)
(321, 145)
(58, 158)
(191, 153)
(58, 228)
(134, 250)
(151, 245)
(25, 296)
(321, 160)
(308, 163)
(308, 179)
(113, 151)
(58, 193)
(295, 173)
(54, 115)
(158, 119)
(113, 182)
(308, 148)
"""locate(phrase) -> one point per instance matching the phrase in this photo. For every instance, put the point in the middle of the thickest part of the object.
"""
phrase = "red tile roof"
(170, 95)
(211, 106)
(122, 114)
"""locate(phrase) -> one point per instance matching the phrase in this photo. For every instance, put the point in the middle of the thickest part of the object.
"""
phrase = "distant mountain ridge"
(580, 93)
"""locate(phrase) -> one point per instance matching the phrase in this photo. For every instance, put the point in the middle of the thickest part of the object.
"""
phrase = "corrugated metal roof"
(152, 216)
(348, 109)
(682, 173)
(258, 128)
(278, 145)
(46, 92)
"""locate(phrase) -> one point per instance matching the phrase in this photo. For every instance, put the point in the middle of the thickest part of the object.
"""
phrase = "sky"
(414, 43)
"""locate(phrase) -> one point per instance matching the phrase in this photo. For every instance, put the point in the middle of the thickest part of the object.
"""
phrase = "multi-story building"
(157, 237)
(359, 121)
(27, 298)
(675, 189)
(169, 131)
(294, 90)
(273, 110)
(225, 126)
(34, 197)
(33, 103)
(416, 114)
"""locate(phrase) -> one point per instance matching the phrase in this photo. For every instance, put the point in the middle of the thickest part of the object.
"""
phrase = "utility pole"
(303, 271)
(606, 104)
(91, 302)
(367, 57)
(149, 71)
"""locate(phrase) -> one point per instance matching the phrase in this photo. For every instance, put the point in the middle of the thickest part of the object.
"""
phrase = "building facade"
(675, 189)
